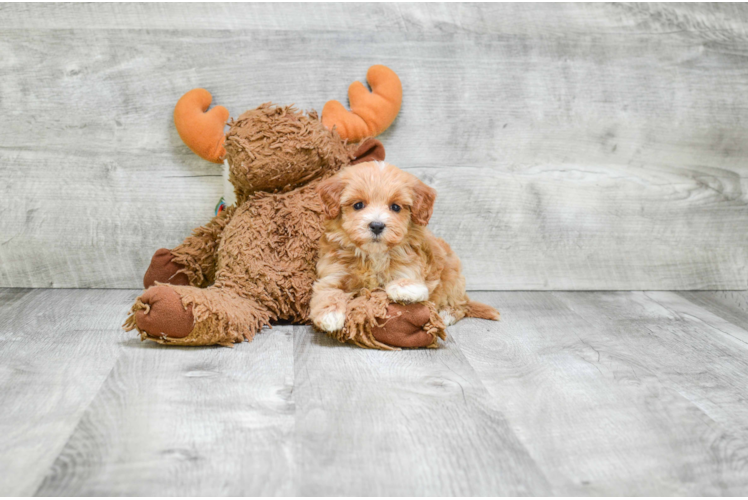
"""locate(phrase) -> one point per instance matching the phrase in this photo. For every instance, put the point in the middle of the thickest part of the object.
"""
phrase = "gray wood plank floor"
(574, 146)
(575, 393)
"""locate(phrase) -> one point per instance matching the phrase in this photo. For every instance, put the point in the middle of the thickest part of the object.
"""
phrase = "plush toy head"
(274, 148)
(271, 148)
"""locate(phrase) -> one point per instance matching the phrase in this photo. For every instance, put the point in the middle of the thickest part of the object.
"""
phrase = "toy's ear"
(201, 131)
(423, 203)
(330, 191)
(371, 112)
(369, 150)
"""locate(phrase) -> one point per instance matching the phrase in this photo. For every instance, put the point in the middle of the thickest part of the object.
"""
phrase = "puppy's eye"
(395, 207)
(358, 205)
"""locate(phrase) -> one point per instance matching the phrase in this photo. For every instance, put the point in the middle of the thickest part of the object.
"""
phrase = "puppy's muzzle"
(377, 228)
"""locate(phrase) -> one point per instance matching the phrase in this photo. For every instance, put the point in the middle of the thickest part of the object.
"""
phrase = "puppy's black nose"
(377, 227)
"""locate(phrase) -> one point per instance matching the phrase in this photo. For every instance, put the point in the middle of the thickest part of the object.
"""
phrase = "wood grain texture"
(724, 20)
(417, 423)
(186, 422)
(730, 305)
(570, 394)
(57, 347)
(624, 393)
(573, 146)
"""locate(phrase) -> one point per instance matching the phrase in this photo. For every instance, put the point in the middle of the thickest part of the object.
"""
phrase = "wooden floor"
(571, 393)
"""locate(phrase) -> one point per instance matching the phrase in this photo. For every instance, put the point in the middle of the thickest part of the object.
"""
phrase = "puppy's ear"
(330, 192)
(423, 203)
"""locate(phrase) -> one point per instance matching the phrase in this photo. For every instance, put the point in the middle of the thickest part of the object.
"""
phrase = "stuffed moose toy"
(254, 263)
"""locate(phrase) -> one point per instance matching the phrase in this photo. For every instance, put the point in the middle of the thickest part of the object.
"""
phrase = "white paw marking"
(413, 292)
(332, 321)
(447, 317)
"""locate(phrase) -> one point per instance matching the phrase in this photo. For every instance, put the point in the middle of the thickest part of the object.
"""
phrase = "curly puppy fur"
(255, 262)
(376, 237)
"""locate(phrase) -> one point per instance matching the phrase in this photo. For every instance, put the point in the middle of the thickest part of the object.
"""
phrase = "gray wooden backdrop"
(573, 146)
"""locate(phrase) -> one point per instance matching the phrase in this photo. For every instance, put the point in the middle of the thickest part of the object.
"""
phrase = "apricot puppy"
(376, 237)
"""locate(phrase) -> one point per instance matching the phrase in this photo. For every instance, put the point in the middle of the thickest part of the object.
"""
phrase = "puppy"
(376, 237)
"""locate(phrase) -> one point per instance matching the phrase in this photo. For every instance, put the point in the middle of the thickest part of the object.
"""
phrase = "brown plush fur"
(255, 262)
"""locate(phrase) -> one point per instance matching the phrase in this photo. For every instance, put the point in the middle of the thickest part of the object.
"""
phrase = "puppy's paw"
(407, 292)
(447, 317)
(331, 321)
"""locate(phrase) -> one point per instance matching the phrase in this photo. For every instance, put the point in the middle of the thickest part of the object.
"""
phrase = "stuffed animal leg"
(189, 316)
(184, 315)
(373, 321)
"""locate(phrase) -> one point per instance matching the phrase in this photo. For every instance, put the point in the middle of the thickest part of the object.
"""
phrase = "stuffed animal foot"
(164, 270)
(159, 314)
(373, 321)
(403, 326)
(185, 315)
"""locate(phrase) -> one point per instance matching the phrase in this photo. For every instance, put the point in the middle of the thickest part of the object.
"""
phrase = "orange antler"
(371, 112)
(202, 132)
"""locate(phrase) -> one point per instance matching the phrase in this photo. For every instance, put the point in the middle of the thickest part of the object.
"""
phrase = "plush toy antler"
(371, 112)
(201, 130)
